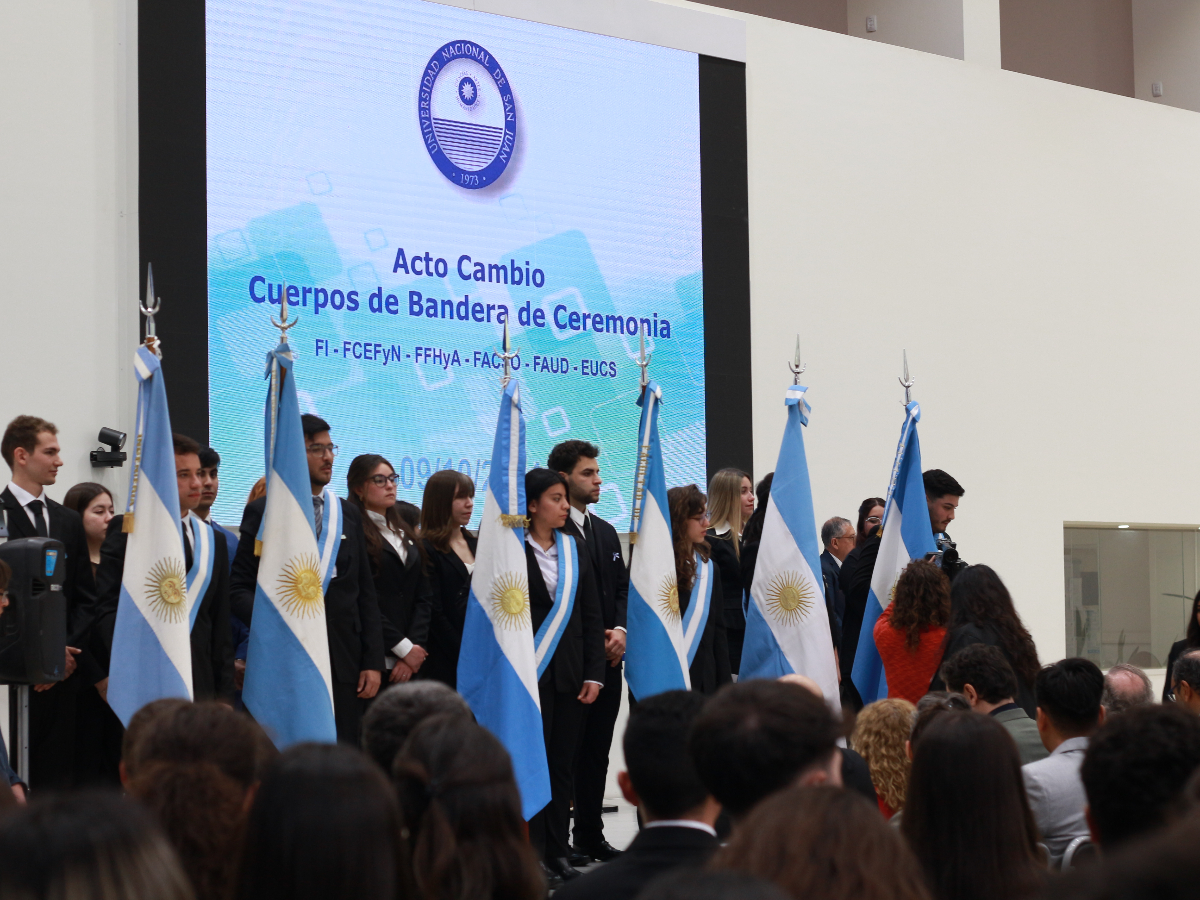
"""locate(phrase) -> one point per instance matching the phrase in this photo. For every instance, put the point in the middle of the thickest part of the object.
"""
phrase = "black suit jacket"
(405, 601)
(579, 656)
(79, 588)
(835, 600)
(729, 570)
(449, 589)
(351, 607)
(653, 852)
(855, 582)
(212, 640)
(608, 568)
(710, 667)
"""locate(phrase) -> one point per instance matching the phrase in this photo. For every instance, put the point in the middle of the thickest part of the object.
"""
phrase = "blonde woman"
(730, 503)
(880, 733)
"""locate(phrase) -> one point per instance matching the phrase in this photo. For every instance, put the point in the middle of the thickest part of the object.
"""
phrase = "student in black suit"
(677, 811)
(400, 580)
(351, 608)
(575, 674)
(31, 449)
(577, 462)
(211, 640)
(446, 509)
(689, 521)
(730, 506)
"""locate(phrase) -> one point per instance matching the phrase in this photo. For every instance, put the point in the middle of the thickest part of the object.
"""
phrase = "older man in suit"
(838, 539)
(1069, 711)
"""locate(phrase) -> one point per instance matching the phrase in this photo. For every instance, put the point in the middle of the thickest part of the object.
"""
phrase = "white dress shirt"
(547, 561)
(25, 498)
(405, 646)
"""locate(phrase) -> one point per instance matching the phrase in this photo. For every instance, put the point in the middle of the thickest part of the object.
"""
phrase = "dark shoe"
(602, 852)
(578, 860)
(553, 882)
(562, 867)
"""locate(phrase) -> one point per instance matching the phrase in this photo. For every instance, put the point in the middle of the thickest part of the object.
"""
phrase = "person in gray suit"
(981, 673)
(1069, 710)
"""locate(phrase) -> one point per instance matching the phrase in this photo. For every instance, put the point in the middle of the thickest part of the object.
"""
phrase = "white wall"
(1166, 48)
(935, 26)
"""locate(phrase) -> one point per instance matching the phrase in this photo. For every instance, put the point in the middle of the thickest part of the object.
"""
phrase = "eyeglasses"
(874, 519)
(322, 449)
(382, 480)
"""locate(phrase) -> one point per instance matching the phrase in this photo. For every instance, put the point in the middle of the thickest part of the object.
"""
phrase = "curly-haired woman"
(910, 632)
(880, 733)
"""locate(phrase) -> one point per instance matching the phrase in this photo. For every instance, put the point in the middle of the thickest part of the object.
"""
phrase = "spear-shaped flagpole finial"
(149, 309)
(907, 381)
(797, 368)
(507, 356)
(283, 324)
(643, 359)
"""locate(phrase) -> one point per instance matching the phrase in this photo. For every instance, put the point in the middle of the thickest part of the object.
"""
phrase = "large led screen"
(416, 174)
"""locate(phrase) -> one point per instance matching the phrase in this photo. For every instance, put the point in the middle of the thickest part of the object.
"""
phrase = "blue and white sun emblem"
(468, 92)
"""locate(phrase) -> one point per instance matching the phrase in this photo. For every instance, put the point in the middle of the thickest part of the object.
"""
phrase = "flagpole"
(797, 368)
(907, 382)
(507, 356)
(149, 309)
(639, 478)
(284, 327)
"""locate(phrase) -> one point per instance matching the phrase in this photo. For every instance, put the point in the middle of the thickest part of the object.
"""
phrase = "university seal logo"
(467, 113)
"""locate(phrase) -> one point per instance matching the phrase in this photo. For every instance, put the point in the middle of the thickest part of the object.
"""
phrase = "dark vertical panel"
(172, 202)
(726, 234)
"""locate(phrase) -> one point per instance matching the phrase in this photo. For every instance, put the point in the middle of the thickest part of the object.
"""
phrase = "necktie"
(39, 520)
(319, 512)
(187, 545)
(587, 528)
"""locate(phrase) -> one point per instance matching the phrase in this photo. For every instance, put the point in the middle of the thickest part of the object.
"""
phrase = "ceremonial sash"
(545, 642)
(696, 616)
(200, 574)
(331, 539)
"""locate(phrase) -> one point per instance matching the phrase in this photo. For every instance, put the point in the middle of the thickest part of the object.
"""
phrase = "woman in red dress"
(910, 632)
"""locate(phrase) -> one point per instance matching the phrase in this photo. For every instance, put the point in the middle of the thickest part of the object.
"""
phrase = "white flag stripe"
(566, 576)
(647, 573)
(892, 559)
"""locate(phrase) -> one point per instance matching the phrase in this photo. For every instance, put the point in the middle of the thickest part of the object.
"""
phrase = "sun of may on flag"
(907, 535)
(497, 665)
(787, 627)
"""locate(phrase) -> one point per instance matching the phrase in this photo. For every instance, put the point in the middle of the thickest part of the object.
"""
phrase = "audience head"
(1068, 699)
(394, 714)
(699, 884)
(978, 597)
(921, 600)
(139, 724)
(730, 503)
(966, 816)
(30, 447)
(324, 826)
(87, 846)
(756, 737)
(982, 675)
(410, 513)
(1164, 866)
(660, 777)
(1185, 680)
(187, 472)
(463, 813)
(928, 709)
(824, 842)
(446, 505)
(881, 732)
(578, 462)
(321, 449)
(1136, 767)
(689, 522)
(942, 493)
(210, 480)
(837, 536)
(1126, 686)
(870, 517)
(94, 504)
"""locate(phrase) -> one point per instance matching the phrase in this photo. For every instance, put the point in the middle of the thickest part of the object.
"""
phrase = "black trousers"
(53, 737)
(348, 710)
(591, 761)
(562, 720)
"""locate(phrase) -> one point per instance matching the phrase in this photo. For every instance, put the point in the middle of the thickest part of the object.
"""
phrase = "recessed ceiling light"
(1122, 526)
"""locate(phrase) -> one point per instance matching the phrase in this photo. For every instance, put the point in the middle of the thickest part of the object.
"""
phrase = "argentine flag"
(497, 665)
(907, 535)
(152, 650)
(656, 650)
(787, 626)
(289, 683)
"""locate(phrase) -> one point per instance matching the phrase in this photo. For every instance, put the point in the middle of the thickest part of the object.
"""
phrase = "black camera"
(950, 562)
(112, 457)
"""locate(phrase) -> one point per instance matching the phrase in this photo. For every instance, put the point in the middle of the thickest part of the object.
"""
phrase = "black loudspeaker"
(33, 630)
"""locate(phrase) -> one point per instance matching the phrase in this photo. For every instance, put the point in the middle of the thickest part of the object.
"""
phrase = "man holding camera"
(942, 494)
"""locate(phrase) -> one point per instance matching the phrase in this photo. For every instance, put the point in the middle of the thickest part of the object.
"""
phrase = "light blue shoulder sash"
(200, 574)
(330, 540)
(545, 642)
(696, 616)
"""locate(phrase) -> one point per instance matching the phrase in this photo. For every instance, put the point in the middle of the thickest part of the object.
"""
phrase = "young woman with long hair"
(966, 816)
(570, 678)
(446, 509)
(881, 731)
(401, 583)
(731, 504)
(910, 632)
(94, 504)
(982, 612)
(696, 581)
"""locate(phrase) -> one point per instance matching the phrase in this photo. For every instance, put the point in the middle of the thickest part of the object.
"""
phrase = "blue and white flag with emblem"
(289, 682)
(497, 665)
(656, 649)
(152, 650)
(787, 626)
(907, 535)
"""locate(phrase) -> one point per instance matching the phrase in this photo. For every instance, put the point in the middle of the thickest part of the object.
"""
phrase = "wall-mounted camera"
(112, 457)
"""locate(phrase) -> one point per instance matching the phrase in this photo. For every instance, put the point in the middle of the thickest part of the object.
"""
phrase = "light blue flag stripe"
(139, 671)
(915, 536)
(791, 490)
